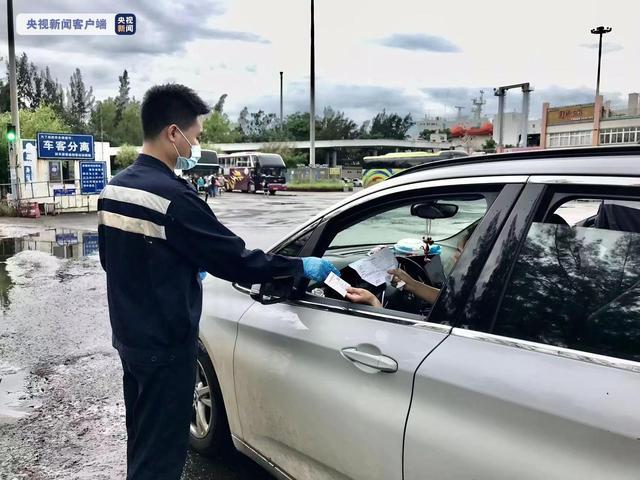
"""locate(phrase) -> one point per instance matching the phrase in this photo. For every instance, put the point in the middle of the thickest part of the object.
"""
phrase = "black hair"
(171, 103)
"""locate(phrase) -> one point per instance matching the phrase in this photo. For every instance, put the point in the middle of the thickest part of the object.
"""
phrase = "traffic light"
(11, 132)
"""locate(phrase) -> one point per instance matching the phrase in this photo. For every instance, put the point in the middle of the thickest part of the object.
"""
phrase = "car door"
(541, 378)
(323, 386)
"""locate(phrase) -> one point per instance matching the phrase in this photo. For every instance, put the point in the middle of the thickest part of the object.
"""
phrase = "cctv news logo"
(76, 24)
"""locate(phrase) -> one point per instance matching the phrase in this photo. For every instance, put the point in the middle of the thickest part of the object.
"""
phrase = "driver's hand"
(402, 276)
(360, 295)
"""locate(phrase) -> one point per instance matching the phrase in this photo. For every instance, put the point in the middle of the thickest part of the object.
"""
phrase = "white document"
(373, 269)
(337, 284)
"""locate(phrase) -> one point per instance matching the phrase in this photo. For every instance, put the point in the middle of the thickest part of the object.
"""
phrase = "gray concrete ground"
(61, 412)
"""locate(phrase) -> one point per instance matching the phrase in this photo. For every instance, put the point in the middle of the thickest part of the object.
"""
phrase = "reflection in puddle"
(58, 242)
(14, 401)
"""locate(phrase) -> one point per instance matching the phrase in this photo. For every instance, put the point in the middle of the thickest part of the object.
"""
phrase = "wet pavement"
(61, 409)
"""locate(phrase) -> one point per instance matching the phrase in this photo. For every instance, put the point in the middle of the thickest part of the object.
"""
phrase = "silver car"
(527, 366)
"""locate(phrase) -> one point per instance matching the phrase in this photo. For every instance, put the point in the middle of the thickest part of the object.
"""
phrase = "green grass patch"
(320, 186)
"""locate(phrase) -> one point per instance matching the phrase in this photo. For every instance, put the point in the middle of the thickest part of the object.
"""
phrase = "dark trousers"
(158, 401)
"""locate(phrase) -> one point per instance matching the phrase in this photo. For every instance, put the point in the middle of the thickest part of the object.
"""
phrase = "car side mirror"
(276, 291)
(433, 210)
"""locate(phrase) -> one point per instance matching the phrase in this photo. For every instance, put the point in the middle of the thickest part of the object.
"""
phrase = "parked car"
(357, 182)
(527, 366)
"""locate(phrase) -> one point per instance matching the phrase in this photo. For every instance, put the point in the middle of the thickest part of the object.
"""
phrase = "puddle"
(58, 242)
(15, 401)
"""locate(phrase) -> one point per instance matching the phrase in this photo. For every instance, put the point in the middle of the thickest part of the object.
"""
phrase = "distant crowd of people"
(210, 185)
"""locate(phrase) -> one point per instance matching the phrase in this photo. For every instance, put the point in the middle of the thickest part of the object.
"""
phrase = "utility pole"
(459, 114)
(281, 119)
(312, 94)
(13, 94)
(599, 31)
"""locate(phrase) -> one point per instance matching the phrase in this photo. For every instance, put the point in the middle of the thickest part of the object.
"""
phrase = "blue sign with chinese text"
(93, 177)
(65, 146)
(66, 238)
(89, 244)
(64, 192)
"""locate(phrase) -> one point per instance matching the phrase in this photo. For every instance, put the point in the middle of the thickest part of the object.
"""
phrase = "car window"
(576, 282)
(397, 224)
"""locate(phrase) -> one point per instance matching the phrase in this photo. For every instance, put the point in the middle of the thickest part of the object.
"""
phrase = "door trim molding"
(571, 354)
(260, 459)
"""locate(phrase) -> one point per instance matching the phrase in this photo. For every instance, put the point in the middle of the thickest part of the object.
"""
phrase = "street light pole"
(13, 95)
(281, 120)
(599, 31)
(312, 94)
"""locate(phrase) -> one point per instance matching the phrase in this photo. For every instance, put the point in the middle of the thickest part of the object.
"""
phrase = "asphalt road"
(61, 409)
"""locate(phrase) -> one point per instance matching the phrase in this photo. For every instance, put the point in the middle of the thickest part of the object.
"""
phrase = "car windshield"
(398, 224)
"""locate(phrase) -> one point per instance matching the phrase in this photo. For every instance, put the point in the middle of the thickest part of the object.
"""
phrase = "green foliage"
(126, 156)
(103, 124)
(296, 126)
(489, 144)
(292, 158)
(392, 125)
(218, 129)
(44, 119)
(80, 102)
(122, 100)
(319, 186)
(426, 134)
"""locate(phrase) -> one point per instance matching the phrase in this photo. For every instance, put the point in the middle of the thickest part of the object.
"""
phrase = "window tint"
(576, 284)
(397, 224)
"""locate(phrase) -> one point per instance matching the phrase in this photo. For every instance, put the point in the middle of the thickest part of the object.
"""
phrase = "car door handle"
(379, 362)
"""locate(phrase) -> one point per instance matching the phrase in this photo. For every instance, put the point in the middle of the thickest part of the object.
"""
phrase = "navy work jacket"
(155, 234)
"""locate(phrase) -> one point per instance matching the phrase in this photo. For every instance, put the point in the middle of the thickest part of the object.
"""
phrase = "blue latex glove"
(318, 269)
(202, 274)
(435, 250)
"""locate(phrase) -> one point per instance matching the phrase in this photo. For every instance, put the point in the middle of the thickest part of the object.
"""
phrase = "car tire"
(211, 434)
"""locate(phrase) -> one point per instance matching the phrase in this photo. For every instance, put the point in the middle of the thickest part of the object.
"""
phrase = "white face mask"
(184, 163)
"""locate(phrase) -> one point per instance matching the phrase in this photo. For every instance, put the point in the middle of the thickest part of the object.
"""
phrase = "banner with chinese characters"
(76, 24)
(65, 146)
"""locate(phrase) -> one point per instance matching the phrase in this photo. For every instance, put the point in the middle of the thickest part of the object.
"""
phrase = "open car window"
(448, 220)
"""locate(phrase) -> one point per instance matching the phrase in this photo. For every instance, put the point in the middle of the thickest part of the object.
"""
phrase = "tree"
(257, 126)
(122, 100)
(126, 156)
(24, 81)
(129, 129)
(219, 106)
(296, 126)
(102, 121)
(217, 129)
(44, 119)
(5, 98)
(392, 125)
(52, 94)
(426, 134)
(335, 126)
(490, 144)
(80, 101)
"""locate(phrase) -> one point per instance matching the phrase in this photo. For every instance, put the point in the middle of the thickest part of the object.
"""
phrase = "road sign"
(65, 146)
(93, 177)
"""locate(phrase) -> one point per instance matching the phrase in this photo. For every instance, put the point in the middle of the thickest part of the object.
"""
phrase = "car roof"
(597, 161)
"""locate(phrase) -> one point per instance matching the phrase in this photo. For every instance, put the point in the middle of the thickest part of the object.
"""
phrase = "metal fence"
(313, 174)
(52, 197)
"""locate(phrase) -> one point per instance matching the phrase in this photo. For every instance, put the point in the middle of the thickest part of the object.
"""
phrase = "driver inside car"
(425, 292)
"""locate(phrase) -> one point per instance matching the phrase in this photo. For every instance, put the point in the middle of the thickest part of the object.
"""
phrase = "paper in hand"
(373, 269)
(335, 282)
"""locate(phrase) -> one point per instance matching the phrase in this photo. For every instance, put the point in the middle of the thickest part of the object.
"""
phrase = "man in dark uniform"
(155, 236)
